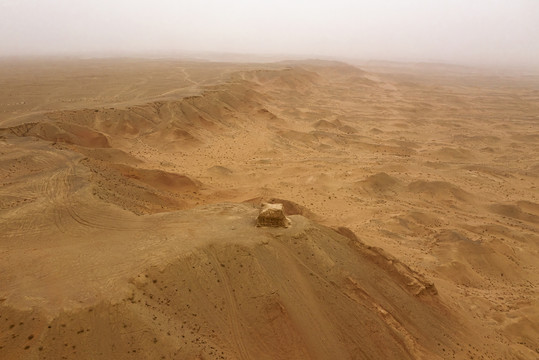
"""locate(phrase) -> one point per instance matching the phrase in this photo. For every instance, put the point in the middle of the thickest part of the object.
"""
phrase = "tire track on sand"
(232, 305)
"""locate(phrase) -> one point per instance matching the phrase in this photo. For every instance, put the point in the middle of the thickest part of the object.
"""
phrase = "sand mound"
(416, 223)
(329, 139)
(336, 125)
(325, 125)
(142, 191)
(61, 132)
(267, 116)
(159, 179)
(440, 190)
(272, 294)
(295, 138)
(515, 211)
(171, 138)
(454, 236)
(347, 129)
(468, 261)
(380, 183)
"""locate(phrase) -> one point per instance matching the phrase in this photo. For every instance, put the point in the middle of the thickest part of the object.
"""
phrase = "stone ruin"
(272, 215)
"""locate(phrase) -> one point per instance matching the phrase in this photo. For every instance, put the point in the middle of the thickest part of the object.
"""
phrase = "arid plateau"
(130, 188)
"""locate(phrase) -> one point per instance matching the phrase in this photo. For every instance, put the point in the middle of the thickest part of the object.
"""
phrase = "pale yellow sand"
(129, 192)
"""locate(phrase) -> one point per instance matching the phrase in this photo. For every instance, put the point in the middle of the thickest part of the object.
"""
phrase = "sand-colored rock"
(272, 215)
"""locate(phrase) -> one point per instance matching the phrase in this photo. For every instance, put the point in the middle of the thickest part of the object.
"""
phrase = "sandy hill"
(208, 283)
(128, 206)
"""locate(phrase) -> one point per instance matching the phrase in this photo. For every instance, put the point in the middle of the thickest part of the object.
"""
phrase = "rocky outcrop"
(272, 215)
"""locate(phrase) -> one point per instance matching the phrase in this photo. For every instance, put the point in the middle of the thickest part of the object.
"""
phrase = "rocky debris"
(272, 215)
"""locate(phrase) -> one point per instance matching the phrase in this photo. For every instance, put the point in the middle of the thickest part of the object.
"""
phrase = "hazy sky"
(463, 31)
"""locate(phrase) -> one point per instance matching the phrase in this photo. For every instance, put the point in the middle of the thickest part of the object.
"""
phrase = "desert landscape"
(130, 188)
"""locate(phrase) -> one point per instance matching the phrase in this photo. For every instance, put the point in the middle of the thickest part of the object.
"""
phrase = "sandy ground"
(129, 192)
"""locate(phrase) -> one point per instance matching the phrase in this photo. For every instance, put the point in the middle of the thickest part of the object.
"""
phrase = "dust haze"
(464, 32)
(242, 181)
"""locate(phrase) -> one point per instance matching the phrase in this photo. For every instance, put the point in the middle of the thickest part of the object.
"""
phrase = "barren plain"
(129, 191)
